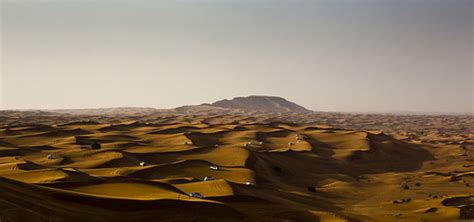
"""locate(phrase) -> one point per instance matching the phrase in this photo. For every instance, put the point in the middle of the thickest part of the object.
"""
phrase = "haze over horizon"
(340, 55)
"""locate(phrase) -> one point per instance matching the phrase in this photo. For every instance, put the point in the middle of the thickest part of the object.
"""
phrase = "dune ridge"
(247, 168)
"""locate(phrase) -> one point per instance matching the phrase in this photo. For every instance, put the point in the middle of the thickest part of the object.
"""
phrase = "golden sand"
(267, 171)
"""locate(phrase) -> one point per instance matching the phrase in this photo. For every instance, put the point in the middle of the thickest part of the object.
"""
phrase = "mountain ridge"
(257, 103)
(261, 103)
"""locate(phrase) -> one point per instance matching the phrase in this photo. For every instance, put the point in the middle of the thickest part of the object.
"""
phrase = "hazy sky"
(329, 55)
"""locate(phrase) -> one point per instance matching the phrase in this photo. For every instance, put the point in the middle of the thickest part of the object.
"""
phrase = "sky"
(327, 55)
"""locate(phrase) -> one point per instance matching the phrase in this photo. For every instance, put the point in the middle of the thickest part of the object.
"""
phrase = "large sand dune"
(268, 170)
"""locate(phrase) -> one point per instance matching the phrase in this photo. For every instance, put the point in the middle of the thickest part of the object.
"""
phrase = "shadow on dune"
(182, 129)
(278, 172)
(26, 202)
(389, 155)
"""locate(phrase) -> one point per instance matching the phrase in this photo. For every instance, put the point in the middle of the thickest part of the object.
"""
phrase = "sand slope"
(267, 171)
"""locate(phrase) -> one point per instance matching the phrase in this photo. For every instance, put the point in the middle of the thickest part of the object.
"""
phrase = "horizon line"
(406, 112)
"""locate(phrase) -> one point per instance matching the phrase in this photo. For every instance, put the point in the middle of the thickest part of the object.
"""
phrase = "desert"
(236, 110)
(213, 163)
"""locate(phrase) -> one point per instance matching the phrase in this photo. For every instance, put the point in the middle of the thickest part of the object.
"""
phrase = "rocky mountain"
(261, 103)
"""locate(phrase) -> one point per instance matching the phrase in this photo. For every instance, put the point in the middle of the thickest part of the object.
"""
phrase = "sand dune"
(261, 171)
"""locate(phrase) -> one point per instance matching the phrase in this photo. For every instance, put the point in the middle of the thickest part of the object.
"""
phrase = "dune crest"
(229, 167)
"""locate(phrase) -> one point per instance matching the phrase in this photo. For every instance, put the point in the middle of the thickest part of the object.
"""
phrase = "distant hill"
(235, 105)
(261, 103)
